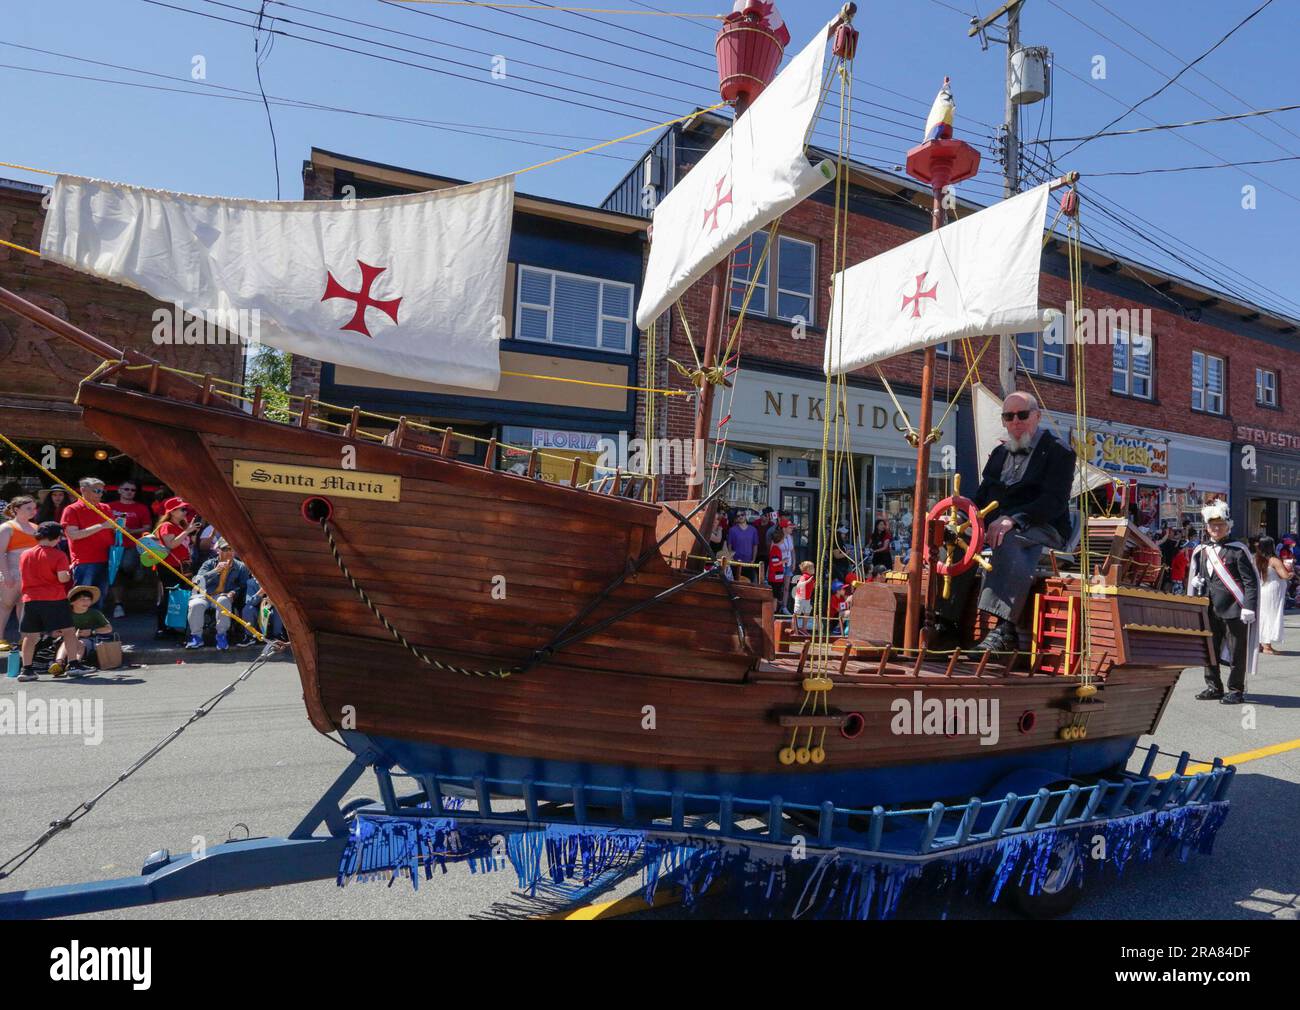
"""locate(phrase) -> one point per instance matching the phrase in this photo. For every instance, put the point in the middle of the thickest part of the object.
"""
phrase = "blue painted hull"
(1020, 771)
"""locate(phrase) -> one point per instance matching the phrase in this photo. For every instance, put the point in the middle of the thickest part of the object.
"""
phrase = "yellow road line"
(620, 906)
(1236, 759)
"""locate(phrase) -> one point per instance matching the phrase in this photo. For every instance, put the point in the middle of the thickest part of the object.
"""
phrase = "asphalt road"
(256, 762)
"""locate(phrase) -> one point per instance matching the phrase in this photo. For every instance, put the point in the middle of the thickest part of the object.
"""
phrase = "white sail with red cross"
(749, 178)
(403, 285)
(975, 276)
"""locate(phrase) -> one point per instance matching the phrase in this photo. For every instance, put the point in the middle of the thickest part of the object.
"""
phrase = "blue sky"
(624, 73)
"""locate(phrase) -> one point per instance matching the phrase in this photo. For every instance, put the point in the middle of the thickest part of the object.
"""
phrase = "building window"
(1207, 383)
(1265, 387)
(794, 264)
(1039, 356)
(576, 311)
(1130, 366)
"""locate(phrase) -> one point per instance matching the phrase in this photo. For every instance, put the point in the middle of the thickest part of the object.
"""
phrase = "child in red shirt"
(45, 577)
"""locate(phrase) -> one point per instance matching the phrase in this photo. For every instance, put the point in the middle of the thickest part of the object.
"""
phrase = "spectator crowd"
(65, 563)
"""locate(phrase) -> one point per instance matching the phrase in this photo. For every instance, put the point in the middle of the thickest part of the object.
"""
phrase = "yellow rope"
(27, 168)
(121, 529)
(831, 456)
(1081, 426)
(609, 143)
(604, 385)
(953, 402)
(911, 429)
(20, 248)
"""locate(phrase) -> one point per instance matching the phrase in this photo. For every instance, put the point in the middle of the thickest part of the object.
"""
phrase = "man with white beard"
(1029, 475)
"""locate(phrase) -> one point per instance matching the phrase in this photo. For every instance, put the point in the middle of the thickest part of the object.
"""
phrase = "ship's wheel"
(963, 530)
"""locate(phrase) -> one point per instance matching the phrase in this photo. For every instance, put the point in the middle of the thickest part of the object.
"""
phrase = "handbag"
(108, 653)
(152, 552)
(115, 556)
(178, 607)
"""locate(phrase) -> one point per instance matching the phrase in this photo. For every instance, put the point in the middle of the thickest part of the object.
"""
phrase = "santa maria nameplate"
(298, 479)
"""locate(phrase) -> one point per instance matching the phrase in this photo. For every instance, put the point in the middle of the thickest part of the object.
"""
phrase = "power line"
(428, 56)
(1097, 31)
(451, 45)
(1180, 73)
(1198, 168)
(300, 102)
(260, 56)
(1113, 208)
(1198, 72)
(1172, 126)
(528, 41)
(291, 104)
(407, 63)
(1184, 139)
(384, 45)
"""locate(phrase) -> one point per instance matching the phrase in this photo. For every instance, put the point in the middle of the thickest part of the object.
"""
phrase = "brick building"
(39, 372)
(1172, 421)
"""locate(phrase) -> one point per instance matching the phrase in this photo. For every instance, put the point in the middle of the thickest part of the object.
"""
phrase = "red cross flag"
(750, 177)
(402, 285)
(977, 275)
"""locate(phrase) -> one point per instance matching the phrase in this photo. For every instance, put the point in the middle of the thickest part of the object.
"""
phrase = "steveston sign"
(301, 479)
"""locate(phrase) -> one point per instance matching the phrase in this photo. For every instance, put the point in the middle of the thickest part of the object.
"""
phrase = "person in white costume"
(1272, 594)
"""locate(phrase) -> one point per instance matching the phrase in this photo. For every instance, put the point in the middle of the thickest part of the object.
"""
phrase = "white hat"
(1216, 510)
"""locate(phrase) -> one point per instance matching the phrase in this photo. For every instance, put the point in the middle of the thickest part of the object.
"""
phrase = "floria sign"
(1130, 454)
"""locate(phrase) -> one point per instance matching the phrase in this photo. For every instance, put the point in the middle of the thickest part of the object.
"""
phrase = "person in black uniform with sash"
(1029, 475)
(1226, 573)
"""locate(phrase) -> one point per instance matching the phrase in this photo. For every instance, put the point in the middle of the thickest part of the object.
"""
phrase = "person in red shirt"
(138, 520)
(176, 533)
(776, 573)
(90, 534)
(45, 576)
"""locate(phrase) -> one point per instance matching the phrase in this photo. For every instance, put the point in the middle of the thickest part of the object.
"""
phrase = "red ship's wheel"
(964, 531)
(963, 520)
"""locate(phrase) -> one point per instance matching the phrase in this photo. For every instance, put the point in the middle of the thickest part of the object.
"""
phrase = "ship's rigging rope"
(81, 809)
(416, 651)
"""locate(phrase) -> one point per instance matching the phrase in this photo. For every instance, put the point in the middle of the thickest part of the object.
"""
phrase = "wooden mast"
(915, 563)
(719, 305)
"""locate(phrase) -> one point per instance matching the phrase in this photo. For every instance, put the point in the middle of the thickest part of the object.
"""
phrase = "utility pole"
(1010, 153)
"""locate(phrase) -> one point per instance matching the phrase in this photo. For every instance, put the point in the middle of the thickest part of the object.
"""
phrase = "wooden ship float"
(490, 634)
(429, 639)
(554, 680)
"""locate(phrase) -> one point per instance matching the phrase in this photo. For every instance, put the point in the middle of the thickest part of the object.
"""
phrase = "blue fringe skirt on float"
(767, 879)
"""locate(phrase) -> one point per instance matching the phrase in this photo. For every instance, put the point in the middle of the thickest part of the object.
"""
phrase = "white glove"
(1198, 586)
(1247, 616)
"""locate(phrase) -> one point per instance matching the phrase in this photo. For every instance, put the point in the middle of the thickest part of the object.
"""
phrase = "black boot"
(1003, 638)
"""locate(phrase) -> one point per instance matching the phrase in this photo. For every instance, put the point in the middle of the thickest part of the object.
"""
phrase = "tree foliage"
(271, 369)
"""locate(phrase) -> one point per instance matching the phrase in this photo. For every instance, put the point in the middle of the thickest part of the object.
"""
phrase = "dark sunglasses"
(94, 490)
(1017, 415)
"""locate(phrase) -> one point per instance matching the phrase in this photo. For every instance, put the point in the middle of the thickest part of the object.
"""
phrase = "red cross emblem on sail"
(916, 297)
(333, 289)
(719, 200)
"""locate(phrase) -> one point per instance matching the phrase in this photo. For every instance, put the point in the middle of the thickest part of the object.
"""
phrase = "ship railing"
(310, 412)
(915, 831)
